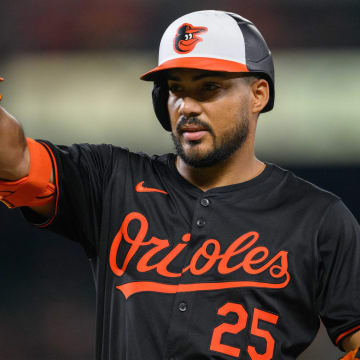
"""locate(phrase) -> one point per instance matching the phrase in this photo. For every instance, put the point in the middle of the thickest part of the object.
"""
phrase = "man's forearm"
(15, 165)
(351, 342)
(14, 157)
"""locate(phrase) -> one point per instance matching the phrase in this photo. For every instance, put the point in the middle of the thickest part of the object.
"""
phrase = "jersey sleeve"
(80, 172)
(339, 272)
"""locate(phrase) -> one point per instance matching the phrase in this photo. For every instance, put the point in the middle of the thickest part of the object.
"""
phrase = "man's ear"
(260, 92)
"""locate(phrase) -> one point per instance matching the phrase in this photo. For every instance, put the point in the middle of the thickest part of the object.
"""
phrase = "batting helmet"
(210, 40)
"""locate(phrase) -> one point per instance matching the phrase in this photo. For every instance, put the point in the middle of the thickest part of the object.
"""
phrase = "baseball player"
(209, 253)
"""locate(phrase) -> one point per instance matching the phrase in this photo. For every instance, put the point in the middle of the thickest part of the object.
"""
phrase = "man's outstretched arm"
(15, 160)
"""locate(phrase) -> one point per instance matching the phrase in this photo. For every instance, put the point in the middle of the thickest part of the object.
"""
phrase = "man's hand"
(351, 342)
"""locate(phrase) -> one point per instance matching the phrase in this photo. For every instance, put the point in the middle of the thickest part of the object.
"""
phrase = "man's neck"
(234, 170)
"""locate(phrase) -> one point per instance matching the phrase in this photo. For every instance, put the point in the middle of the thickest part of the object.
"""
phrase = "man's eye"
(211, 86)
(174, 88)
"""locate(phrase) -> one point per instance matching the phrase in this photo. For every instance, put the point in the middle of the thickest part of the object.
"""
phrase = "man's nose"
(190, 107)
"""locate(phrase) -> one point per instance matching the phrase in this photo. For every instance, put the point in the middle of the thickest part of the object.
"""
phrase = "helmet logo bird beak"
(186, 38)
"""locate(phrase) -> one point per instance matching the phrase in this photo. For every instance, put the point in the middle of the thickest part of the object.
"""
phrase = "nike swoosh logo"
(141, 188)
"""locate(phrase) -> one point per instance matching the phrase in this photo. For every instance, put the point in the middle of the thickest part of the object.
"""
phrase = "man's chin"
(197, 153)
(197, 160)
(196, 149)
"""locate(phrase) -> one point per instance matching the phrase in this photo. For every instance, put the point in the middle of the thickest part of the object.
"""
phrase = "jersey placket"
(184, 302)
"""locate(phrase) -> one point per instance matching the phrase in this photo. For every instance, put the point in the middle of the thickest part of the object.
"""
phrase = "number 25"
(240, 325)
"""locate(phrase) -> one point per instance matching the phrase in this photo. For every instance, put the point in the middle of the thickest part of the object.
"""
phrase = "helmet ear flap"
(160, 95)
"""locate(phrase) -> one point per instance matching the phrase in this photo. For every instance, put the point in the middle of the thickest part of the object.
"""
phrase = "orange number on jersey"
(240, 325)
(270, 343)
(216, 344)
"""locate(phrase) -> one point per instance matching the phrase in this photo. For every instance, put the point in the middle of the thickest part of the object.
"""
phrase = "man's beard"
(229, 143)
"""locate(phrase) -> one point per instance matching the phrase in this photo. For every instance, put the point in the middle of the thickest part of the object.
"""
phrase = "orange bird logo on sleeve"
(186, 38)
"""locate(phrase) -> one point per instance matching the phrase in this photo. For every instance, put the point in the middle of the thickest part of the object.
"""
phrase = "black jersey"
(236, 272)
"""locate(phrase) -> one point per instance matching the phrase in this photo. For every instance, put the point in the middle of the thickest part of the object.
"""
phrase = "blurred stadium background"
(72, 69)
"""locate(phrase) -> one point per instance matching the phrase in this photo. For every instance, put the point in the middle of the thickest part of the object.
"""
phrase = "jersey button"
(200, 222)
(183, 306)
(205, 202)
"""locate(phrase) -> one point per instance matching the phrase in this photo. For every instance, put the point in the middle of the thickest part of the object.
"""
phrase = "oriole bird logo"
(186, 38)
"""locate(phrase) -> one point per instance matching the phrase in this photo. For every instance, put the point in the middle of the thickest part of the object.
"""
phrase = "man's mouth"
(193, 132)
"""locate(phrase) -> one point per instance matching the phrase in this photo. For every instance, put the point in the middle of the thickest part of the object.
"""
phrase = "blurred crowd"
(43, 25)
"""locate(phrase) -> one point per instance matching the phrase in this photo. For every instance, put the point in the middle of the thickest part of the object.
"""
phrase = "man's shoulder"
(103, 157)
(117, 152)
(299, 188)
(139, 156)
(139, 162)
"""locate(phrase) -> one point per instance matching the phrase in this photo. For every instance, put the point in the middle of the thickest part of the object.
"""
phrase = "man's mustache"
(193, 121)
